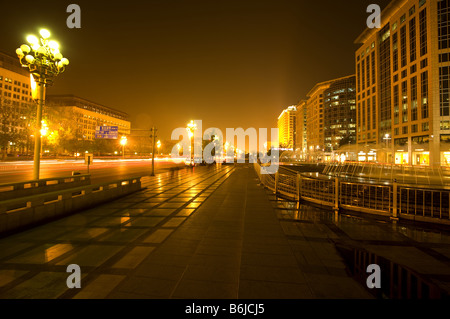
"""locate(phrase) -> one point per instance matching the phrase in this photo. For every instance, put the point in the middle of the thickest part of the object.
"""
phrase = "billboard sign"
(107, 132)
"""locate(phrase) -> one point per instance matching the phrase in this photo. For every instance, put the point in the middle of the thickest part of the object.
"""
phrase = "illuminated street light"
(387, 137)
(43, 59)
(123, 142)
(191, 127)
(153, 136)
(158, 145)
(44, 132)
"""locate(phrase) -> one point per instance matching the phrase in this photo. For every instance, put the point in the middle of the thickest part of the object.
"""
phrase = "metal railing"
(317, 190)
(414, 202)
(424, 175)
(423, 203)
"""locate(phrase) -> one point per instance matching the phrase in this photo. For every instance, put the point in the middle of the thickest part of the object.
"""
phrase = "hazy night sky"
(230, 63)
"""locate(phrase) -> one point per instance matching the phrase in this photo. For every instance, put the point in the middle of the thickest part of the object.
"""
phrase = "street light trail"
(100, 171)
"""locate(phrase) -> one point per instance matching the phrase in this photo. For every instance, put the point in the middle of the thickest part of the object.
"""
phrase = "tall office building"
(403, 83)
(340, 116)
(315, 121)
(330, 118)
(287, 127)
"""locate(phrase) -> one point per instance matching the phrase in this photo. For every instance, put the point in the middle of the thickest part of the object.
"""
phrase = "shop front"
(445, 149)
(370, 156)
(420, 150)
(401, 157)
(445, 158)
(421, 157)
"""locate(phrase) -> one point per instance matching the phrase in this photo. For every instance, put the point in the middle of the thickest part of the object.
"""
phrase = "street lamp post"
(43, 59)
(43, 132)
(153, 136)
(123, 142)
(158, 145)
(191, 127)
(387, 137)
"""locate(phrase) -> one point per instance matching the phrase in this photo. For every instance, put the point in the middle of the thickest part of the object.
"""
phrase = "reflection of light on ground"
(123, 220)
(56, 251)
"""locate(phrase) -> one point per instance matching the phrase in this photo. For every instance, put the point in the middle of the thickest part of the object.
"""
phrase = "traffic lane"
(100, 171)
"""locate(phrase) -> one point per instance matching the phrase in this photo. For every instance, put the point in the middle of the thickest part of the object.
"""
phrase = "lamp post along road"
(43, 59)
(158, 145)
(153, 136)
(123, 142)
(191, 127)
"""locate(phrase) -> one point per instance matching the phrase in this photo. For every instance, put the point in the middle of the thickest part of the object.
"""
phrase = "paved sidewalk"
(207, 233)
(233, 246)
(108, 242)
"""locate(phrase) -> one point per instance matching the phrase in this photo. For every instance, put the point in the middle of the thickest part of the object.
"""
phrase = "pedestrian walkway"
(107, 241)
(207, 233)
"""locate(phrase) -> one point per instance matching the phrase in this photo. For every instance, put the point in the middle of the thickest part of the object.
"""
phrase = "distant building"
(315, 121)
(300, 141)
(330, 118)
(15, 100)
(89, 115)
(403, 81)
(339, 116)
(287, 127)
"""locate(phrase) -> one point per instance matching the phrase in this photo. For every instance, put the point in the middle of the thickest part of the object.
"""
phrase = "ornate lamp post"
(43, 59)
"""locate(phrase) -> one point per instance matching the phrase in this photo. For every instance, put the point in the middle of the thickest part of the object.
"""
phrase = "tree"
(16, 123)
(63, 130)
(101, 146)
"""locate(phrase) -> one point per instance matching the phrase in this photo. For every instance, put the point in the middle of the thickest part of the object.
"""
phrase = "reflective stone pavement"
(210, 232)
(108, 242)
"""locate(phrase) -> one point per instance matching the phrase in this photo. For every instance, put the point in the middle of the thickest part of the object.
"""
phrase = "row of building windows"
(443, 24)
(424, 127)
(412, 42)
(15, 96)
(444, 81)
(18, 83)
(10, 88)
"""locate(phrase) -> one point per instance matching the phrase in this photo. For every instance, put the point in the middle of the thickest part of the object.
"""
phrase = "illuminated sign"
(107, 132)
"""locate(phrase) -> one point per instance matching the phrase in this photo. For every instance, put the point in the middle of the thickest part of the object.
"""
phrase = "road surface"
(100, 170)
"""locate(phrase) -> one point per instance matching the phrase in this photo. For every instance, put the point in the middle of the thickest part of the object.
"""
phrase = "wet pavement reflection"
(423, 249)
(107, 241)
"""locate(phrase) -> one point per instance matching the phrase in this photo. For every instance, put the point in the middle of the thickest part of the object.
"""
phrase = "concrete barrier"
(21, 213)
(45, 185)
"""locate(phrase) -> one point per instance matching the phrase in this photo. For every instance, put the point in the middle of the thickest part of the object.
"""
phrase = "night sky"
(230, 63)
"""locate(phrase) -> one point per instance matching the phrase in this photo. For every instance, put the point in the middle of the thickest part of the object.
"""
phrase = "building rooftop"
(12, 63)
(73, 100)
(325, 84)
(386, 15)
(291, 108)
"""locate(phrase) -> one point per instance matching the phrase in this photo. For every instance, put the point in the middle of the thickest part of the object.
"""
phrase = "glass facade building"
(340, 114)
